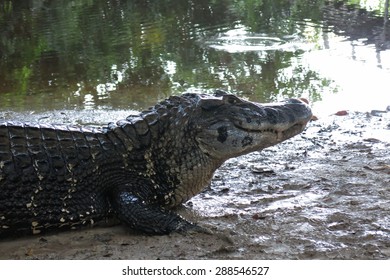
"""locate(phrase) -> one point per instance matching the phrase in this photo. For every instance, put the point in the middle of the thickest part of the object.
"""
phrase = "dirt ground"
(324, 194)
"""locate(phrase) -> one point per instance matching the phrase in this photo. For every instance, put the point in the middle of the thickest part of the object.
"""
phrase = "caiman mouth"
(283, 120)
(281, 134)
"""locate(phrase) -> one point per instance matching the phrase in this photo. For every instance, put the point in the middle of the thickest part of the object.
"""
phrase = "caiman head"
(184, 139)
(229, 126)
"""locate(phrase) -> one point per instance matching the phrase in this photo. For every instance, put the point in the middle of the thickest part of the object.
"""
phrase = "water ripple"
(239, 41)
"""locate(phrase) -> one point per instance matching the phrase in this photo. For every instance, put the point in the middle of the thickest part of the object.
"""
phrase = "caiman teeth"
(274, 131)
(279, 132)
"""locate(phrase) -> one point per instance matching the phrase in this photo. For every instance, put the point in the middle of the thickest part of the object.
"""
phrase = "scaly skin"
(136, 170)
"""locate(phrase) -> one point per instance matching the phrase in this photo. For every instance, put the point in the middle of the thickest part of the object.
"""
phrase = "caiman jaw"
(285, 120)
(280, 134)
(290, 132)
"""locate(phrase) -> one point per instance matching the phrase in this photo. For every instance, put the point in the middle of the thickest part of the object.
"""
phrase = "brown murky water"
(323, 195)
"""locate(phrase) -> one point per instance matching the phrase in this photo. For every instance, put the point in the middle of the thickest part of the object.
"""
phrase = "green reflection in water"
(121, 54)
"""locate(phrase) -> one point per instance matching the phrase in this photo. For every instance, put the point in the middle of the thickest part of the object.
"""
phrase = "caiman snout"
(287, 118)
(286, 114)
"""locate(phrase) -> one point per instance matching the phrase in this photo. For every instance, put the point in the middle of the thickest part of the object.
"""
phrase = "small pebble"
(341, 113)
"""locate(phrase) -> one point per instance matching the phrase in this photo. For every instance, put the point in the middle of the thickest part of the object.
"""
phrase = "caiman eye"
(231, 99)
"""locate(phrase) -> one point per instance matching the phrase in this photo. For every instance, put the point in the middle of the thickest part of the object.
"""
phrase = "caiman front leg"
(149, 218)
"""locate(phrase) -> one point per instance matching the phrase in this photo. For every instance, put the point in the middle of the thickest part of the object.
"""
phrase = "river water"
(119, 55)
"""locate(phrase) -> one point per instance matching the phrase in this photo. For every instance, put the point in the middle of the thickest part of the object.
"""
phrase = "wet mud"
(324, 194)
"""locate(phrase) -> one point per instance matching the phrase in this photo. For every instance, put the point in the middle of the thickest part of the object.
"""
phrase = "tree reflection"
(150, 49)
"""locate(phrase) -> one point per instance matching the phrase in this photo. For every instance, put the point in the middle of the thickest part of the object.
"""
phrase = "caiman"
(137, 169)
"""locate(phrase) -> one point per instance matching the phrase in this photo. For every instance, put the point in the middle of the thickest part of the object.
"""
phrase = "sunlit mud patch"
(239, 40)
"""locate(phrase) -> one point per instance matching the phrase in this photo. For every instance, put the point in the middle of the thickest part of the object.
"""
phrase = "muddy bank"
(323, 195)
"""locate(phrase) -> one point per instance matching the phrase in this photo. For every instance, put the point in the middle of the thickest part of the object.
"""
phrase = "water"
(121, 55)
